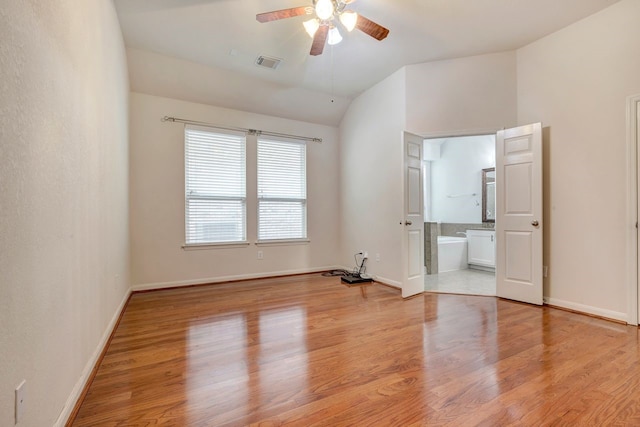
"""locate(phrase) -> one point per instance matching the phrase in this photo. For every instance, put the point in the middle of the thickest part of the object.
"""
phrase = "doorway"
(459, 214)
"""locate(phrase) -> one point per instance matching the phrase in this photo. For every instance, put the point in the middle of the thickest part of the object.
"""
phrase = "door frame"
(633, 153)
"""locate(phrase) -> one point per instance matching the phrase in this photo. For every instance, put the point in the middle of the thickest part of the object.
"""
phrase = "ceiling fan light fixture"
(324, 9)
(311, 26)
(349, 19)
(334, 36)
(322, 27)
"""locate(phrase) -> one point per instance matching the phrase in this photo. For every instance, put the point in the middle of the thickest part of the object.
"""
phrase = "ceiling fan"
(323, 28)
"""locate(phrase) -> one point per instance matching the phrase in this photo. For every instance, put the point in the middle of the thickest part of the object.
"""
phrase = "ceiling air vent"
(268, 62)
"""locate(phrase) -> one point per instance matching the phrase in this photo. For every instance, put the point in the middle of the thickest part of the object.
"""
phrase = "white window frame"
(303, 238)
(190, 196)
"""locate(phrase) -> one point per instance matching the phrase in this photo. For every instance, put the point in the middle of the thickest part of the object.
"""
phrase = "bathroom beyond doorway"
(459, 195)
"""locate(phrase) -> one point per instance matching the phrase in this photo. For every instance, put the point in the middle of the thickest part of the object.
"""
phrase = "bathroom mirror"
(489, 195)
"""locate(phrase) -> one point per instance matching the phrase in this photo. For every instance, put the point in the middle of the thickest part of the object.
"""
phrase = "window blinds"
(215, 180)
(282, 190)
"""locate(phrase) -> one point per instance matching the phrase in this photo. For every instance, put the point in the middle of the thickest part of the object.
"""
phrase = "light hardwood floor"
(307, 350)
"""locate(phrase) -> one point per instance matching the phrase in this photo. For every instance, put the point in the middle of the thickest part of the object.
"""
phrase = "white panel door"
(519, 213)
(413, 223)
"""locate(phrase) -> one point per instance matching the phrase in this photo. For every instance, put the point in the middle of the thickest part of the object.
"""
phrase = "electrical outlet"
(545, 271)
(260, 255)
(377, 257)
(20, 401)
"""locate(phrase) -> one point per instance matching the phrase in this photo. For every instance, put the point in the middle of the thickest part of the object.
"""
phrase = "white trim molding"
(76, 392)
(388, 282)
(233, 278)
(587, 309)
(631, 230)
(458, 133)
(282, 242)
(204, 246)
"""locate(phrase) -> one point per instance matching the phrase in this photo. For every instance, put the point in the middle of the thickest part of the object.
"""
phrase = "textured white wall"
(576, 82)
(476, 93)
(157, 199)
(63, 195)
(460, 95)
(458, 171)
(371, 177)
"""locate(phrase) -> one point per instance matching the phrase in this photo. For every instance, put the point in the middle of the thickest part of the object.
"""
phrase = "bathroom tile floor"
(469, 281)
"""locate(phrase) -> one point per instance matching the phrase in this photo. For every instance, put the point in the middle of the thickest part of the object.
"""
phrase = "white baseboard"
(388, 282)
(219, 279)
(609, 314)
(86, 372)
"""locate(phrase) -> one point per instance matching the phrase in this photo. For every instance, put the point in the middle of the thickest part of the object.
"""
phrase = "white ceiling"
(207, 31)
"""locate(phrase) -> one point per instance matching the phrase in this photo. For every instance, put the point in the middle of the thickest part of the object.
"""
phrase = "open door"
(519, 213)
(413, 223)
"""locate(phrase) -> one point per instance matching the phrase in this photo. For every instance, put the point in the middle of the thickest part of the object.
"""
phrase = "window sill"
(283, 242)
(203, 246)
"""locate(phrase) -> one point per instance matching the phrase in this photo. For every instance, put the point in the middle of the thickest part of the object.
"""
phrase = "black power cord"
(336, 273)
(358, 270)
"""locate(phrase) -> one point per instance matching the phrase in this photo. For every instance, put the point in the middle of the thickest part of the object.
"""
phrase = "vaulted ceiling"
(225, 36)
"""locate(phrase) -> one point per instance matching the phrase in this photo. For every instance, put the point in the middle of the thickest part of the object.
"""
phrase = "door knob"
(408, 223)
(535, 223)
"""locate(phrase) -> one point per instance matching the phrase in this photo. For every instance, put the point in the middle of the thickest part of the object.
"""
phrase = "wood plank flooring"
(308, 351)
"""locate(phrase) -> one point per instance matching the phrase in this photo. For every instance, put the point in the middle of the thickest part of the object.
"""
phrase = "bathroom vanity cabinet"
(481, 251)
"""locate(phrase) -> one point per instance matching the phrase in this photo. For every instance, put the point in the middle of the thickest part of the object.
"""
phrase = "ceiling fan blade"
(367, 26)
(283, 14)
(318, 40)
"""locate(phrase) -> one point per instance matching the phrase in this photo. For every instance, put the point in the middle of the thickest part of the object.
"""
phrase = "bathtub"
(452, 253)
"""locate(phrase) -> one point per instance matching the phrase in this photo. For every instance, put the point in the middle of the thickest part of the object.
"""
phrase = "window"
(282, 190)
(215, 186)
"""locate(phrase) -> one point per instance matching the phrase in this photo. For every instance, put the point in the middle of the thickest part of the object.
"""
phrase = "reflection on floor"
(471, 282)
